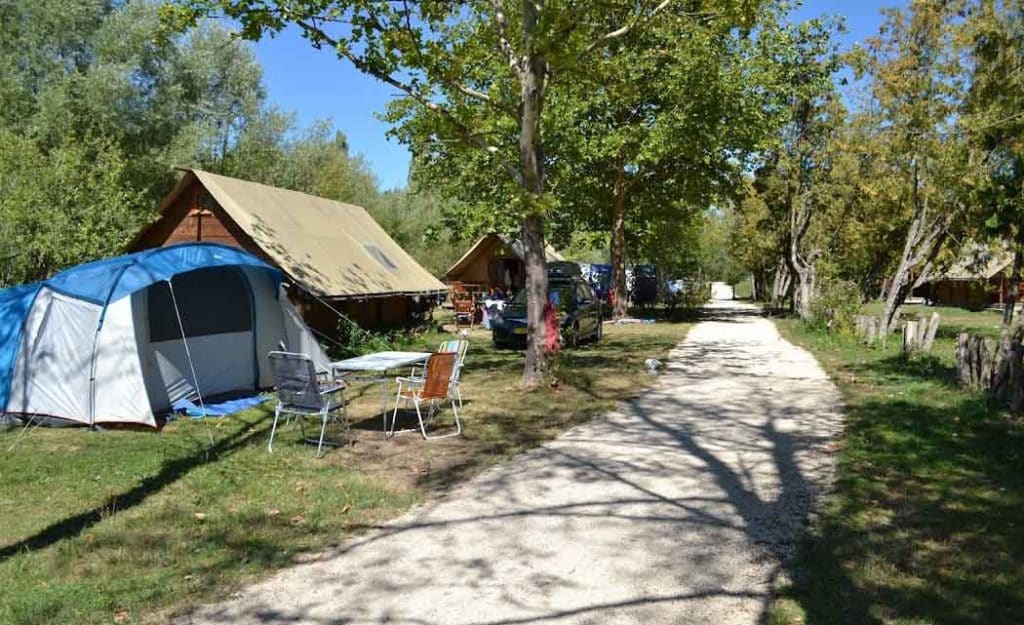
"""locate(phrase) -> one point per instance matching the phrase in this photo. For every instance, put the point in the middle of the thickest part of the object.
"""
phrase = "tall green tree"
(790, 184)
(994, 122)
(94, 112)
(483, 69)
(654, 132)
(916, 92)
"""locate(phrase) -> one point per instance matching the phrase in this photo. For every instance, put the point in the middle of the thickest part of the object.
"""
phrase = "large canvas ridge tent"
(333, 254)
(120, 340)
(495, 261)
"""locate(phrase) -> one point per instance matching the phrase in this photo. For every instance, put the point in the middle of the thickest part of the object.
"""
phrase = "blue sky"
(316, 85)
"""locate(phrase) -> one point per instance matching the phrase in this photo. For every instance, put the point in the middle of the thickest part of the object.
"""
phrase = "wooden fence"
(918, 334)
(979, 365)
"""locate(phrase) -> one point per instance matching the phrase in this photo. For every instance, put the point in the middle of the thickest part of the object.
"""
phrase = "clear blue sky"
(316, 85)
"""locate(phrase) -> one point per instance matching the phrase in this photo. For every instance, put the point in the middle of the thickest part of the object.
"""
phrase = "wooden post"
(909, 338)
(984, 364)
(929, 335)
(963, 365)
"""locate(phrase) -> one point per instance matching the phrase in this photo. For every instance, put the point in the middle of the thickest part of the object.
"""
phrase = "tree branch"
(501, 25)
(412, 92)
(625, 29)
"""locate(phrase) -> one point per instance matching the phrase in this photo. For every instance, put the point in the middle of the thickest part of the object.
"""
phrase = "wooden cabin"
(977, 281)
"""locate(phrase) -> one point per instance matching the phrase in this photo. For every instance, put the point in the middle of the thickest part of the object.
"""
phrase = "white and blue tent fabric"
(122, 339)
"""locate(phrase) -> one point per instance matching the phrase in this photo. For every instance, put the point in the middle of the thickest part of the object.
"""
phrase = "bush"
(352, 340)
(835, 306)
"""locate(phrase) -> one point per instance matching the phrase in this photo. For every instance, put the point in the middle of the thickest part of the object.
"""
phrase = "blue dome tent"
(120, 340)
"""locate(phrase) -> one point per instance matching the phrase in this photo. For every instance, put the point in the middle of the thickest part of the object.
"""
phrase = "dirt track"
(677, 508)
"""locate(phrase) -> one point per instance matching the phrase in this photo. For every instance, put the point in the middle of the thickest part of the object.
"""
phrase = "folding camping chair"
(463, 304)
(459, 348)
(300, 392)
(435, 386)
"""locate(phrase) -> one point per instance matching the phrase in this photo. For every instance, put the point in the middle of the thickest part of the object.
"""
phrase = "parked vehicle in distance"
(644, 292)
(578, 306)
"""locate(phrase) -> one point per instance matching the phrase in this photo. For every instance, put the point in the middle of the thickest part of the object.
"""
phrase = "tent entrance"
(217, 317)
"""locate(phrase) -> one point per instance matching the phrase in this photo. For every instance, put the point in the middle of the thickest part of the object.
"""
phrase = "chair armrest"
(333, 388)
(412, 381)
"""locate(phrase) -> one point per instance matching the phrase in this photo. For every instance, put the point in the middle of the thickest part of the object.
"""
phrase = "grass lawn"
(927, 522)
(136, 526)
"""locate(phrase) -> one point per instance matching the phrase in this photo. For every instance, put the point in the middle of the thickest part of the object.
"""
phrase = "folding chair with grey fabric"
(301, 393)
(434, 387)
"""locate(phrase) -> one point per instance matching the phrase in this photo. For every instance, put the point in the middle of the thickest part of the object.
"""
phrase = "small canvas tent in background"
(335, 251)
(120, 340)
(494, 261)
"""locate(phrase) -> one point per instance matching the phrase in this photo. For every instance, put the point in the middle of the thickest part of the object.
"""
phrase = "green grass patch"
(926, 525)
(137, 526)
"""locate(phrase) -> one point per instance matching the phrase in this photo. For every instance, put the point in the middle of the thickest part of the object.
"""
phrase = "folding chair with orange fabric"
(433, 388)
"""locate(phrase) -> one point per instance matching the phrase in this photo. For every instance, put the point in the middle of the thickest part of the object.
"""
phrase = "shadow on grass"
(168, 474)
(924, 367)
(925, 523)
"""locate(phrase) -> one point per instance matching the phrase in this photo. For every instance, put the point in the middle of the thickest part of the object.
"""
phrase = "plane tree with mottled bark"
(478, 67)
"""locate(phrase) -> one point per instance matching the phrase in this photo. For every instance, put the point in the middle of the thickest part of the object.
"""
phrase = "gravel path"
(677, 508)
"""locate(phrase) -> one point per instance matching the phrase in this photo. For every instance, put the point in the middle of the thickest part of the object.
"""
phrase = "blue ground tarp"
(219, 409)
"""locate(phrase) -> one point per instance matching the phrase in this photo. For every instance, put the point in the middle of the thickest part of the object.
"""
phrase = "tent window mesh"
(213, 300)
(381, 257)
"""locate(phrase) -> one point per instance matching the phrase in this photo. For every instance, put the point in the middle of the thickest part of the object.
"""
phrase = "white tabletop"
(380, 361)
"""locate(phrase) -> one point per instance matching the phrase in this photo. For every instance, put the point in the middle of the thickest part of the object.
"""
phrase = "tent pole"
(188, 354)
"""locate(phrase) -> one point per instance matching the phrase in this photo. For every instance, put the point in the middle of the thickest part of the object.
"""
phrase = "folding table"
(380, 363)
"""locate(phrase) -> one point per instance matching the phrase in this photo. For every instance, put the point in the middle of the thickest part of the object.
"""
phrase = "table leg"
(384, 404)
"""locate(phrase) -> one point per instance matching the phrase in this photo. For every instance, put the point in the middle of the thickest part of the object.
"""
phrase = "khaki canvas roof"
(332, 248)
(978, 263)
(513, 245)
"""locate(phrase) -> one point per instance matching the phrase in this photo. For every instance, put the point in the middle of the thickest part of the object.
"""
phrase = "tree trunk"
(1012, 291)
(619, 308)
(1005, 332)
(803, 290)
(897, 290)
(782, 284)
(925, 237)
(801, 266)
(531, 162)
(536, 297)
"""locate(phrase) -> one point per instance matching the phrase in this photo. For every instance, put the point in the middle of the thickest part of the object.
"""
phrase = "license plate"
(519, 330)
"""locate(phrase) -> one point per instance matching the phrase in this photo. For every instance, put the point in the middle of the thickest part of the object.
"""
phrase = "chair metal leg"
(458, 393)
(423, 428)
(324, 416)
(394, 416)
(458, 424)
(273, 429)
(419, 417)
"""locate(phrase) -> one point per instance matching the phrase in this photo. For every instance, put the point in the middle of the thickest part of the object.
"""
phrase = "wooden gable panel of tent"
(193, 215)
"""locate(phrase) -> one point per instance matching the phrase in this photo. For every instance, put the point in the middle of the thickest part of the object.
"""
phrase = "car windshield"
(560, 293)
